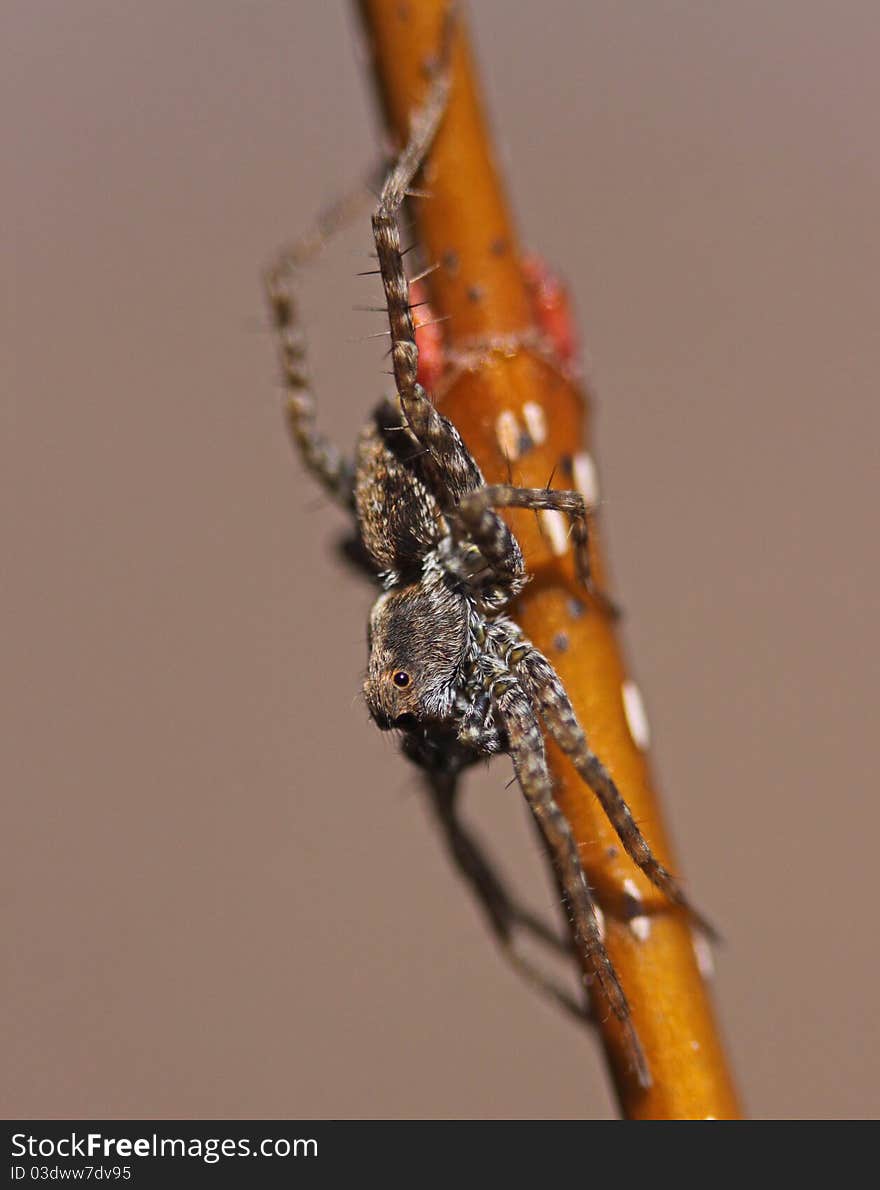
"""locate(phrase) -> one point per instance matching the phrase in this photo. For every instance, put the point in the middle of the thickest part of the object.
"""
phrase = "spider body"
(448, 666)
(432, 644)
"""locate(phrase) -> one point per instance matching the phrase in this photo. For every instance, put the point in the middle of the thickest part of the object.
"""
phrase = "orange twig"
(480, 288)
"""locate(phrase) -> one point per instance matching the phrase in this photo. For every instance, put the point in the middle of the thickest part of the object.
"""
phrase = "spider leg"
(507, 919)
(495, 541)
(320, 456)
(526, 747)
(544, 684)
(447, 461)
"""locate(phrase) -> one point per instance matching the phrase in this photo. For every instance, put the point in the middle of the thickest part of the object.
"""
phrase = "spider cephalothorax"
(448, 668)
(419, 654)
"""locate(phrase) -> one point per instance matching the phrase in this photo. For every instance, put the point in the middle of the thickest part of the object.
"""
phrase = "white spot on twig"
(555, 528)
(586, 478)
(508, 434)
(536, 422)
(703, 953)
(641, 927)
(639, 923)
(636, 718)
(600, 921)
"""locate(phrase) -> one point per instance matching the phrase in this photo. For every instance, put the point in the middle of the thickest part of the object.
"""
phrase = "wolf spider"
(448, 668)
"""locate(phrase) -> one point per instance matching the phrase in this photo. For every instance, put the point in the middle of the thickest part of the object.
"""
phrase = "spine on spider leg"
(517, 407)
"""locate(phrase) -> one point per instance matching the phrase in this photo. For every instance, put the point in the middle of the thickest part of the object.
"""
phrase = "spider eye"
(401, 679)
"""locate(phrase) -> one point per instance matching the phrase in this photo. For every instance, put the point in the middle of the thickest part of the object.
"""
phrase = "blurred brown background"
(220, 887)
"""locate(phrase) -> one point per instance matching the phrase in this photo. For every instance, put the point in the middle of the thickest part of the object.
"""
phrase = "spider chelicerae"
(449, 669)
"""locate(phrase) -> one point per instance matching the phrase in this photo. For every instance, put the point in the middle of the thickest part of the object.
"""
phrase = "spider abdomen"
(398, 517)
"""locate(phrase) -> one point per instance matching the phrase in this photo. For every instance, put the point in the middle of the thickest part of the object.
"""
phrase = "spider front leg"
(544, 684)
(526, 747)
(497, 545)
(329, 466)
(451, 469)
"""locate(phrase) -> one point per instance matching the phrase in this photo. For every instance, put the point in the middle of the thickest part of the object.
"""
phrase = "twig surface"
(480, 289)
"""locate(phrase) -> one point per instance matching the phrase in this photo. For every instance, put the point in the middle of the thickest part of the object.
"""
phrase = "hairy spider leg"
(496, 542)
(452, 469)
(542, 681)
(322, 458)
(530, 764)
